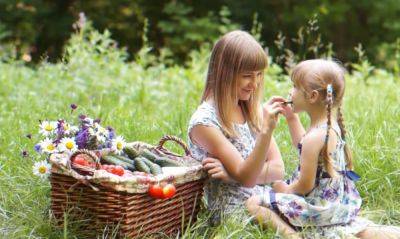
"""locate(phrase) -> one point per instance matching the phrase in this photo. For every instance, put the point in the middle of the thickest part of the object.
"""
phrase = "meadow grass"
(144, 100)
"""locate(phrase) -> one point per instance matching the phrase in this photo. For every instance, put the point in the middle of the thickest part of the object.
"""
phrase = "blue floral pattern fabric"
(331, 208)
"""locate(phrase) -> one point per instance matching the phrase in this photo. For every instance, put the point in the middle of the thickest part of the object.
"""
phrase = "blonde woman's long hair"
(234, 53)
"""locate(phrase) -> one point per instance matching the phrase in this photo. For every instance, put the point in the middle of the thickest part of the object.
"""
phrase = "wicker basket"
(133, 213)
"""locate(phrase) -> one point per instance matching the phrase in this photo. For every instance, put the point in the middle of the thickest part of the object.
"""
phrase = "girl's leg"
(380, 232)
(268, 217)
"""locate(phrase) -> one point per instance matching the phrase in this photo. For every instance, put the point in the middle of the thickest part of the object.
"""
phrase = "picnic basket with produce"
(136, 188)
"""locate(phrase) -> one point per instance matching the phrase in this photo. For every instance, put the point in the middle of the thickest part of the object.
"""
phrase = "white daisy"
(48, 146)
(74, 129)
(69, 129)
(88, 121)
(118, 144)
(48, 127)
(42, 169)
(100, 137)
(101, 134)
(91, 131)
(67, 145)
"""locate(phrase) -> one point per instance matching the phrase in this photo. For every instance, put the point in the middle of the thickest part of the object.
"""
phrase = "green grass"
(145, 103)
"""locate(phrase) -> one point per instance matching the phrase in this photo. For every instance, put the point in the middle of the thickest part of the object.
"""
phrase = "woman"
(231, 124)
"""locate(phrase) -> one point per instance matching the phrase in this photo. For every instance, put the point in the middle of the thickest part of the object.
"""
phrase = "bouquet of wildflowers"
(62, 137)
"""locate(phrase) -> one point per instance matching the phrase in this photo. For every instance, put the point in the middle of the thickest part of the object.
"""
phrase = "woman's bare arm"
(217, 145)
(245, 172)
(273, 168)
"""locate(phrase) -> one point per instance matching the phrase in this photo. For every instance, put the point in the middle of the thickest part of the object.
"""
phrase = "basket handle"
(93, 155)
(175, 139)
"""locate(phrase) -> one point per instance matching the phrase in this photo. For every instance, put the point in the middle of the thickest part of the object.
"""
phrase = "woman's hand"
(271, 109)
(216, 170)
(280, 186)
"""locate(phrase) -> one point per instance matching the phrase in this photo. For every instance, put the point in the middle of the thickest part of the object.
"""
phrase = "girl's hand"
(271, 109)
(279, 186)
(288, 112)
(216, 170)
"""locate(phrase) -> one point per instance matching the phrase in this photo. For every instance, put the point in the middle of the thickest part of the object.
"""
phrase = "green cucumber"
(124, 159)
(141, 165)
(166, 162)
(149, 155)
(113, 160)
(161, 161)
(154, 168)
(131, 152)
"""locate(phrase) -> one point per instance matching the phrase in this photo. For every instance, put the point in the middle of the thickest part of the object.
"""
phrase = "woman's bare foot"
(380, 232)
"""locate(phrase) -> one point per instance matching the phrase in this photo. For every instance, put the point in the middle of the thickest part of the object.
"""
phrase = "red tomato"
(156, 191)
(80, 161)
(169, 191)
(117, 170)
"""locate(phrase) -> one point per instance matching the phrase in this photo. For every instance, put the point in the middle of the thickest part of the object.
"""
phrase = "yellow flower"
(118, 144)
(42, 169)
(67, 145)
(48, 146)
(48, 127)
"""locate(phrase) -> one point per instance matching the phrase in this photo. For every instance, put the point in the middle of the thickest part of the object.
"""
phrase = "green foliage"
(174, 28)
(363, 69)
(146, 101)
(307, 44)
(389, 55)
(183, 31)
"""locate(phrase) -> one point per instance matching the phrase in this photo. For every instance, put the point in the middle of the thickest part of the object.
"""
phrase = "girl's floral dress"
(331, 208)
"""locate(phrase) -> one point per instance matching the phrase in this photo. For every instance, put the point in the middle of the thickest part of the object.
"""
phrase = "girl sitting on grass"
(321, 198)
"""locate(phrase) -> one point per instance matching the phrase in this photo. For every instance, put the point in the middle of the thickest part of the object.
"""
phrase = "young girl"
(321, 196)
(231, 124)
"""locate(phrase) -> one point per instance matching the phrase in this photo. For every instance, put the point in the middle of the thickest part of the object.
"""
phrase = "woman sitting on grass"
(231, 125)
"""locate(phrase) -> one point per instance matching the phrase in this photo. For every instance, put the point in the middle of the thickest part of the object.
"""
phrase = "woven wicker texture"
(133, 212)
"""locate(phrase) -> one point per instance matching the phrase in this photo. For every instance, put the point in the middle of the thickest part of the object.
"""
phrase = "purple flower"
(38, 148)
(57, 141)
(294, 209)
(111, 133)
(29, 136)
(111, 136)
(73, 107)
(25, 154)
(60, 128)
(330, 194)
(109, 128)
(82, 117)
(97, 121)
(82, 137)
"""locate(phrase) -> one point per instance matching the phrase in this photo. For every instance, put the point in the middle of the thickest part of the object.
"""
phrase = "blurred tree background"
(38, 29)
